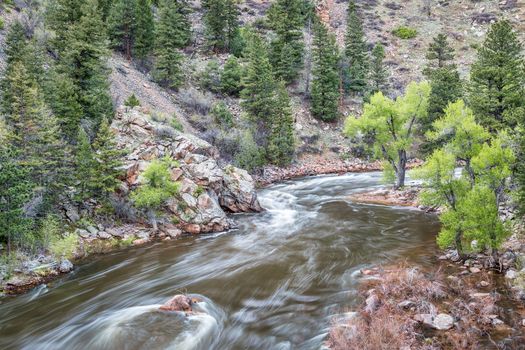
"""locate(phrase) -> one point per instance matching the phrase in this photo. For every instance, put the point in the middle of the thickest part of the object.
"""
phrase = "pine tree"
(122, 25)
(281, 141)
(144, 29)
(108, 161)
(85, 166)
(15, 191)
(287, 49)
(378, 75)
(446, 85)
(62, 97)
(356, 52)
(231, 77)
(258, 87)
(222, 23)
(172, 35)
(84, 62)
(440, 52)
(497, 79)
(325, 84)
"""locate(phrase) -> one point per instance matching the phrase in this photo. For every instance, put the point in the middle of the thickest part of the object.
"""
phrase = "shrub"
(132, 101)
(222, 116)
(231, 77)
(159, 117)
(405, 32)
(196, 101)
(2, 25)
(176, 124)
(210, 78)
(64, 247)
(49, 230)
(165, 132)
(250, 156)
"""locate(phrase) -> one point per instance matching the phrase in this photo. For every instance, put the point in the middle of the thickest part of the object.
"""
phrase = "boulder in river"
(179, 302)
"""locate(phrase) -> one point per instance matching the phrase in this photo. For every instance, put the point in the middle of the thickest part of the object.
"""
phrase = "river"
(273, 283)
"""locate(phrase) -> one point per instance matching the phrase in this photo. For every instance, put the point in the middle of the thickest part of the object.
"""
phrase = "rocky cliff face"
(208, 190)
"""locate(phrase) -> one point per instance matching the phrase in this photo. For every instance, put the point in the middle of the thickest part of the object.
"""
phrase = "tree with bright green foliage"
(325, 85)
(378, 75)
(445, 82)
(173, 32)
(356, 52)
(231, 77)
(250, 156)
(470, 200)
(287, 48)
(281, 143)
(463, 136)
(155, 189)
(222, 115)
(497, 79)
(393, 125)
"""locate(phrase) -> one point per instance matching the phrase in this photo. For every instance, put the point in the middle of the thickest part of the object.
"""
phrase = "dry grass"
(384, 324)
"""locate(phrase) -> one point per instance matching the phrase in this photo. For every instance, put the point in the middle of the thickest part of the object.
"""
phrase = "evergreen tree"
(287, 49)
(325, 84)
(378, 75)
(62, 97)
(445, 82)
(108, 161)
(439, 52)
(281, 141)
(356, 52)
(15, 191)
(258, 87)
(85, 166)
(84, 62)
(497, 79)
(173, 33)
(144, 29)
(61, 15)
(222, 23)
(122, 25)
(231, 77)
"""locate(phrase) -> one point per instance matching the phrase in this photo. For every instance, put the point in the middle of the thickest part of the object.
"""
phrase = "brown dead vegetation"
(387, 319)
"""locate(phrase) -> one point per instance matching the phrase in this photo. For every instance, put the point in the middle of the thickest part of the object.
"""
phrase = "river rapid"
(276, 282)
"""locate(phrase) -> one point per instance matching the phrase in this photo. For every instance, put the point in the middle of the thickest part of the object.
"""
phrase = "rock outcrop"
(208, 190)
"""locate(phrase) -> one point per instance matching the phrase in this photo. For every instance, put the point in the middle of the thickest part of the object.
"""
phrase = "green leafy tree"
(156, 188)
(16, 190)
(325, 84)
(356, 52)
(144, 29)
(132, 101)
(250, 156)
(287, 49)
(222, 23)
(393, 126)
(378, 74)
(231, 77)
(439, 52)
(108, 161)
(281, 146)
(61, 15)
(173, 33)
(497, 79)
(464, 137)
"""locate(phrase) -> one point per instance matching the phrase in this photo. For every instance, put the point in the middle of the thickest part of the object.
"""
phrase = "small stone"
(104, 235)
(523, 322)
(511, 274)
(92, 230)
(443, 322)
(443, 257)
(140, 241)
(407, 304)
(372, 303)
(484, 283)
(474, 270)
(496, 322)
(83, 233)
(479, 295)
(65, 266)
(426, 319)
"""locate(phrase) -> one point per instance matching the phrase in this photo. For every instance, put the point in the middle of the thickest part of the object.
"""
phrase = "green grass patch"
(405, 32)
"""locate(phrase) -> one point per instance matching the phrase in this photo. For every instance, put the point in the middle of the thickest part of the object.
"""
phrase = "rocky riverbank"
(319, 166)
(443, 308)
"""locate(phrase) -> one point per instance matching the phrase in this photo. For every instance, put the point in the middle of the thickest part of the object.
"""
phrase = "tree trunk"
(459, 244)
(470, 171)
(401, 170)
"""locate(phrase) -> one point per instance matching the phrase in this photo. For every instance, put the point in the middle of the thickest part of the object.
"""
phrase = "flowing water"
(274, 283)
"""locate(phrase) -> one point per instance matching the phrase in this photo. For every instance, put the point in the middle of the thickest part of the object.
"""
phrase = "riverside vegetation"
(75, 169)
